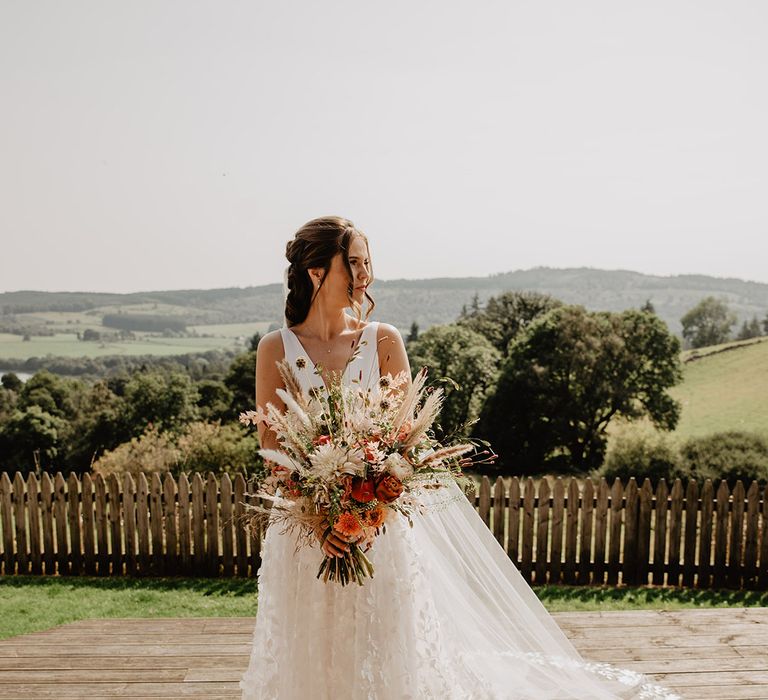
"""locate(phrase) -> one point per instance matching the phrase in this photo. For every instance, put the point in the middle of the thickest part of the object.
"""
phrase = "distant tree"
(11, 382)
(28, 433)
(708, 323)
(413, 335)
(506, 315)
(648, 306)
(464, 364)
(253, 343)
(567, 375)
(53, 394)
(215, 400)
(749, 329)
(89, 334)
(166, 400)
(241, 381)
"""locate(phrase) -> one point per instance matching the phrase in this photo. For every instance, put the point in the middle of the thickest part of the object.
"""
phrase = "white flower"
(398, 466)
(327, 460)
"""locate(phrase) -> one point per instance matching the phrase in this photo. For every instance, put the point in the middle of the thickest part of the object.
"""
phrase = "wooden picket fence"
(579, 532)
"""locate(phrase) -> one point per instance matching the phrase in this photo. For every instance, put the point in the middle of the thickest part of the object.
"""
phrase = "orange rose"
(404, 431)
(388, 488)
(363, 490)
(321, 440)
(374, 517)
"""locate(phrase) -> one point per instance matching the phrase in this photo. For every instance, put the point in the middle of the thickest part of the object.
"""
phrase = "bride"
(448, 615)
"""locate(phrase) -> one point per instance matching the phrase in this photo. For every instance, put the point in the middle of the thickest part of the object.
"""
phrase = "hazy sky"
(165, 145)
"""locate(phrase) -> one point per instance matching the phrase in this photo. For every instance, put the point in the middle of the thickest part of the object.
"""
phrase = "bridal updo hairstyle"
(315, 244)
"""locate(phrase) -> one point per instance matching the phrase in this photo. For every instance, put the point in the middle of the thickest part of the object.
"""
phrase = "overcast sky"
(167, 145)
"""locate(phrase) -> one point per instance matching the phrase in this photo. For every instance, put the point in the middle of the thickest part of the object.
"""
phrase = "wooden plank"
(198, 524)
(676, 498)
(644, 532)
(691, 527)
(631, 512)
(614, 543)
(763, 558)
(736, 545)
(6, 519)
(721, 534)
(185, 527)
(571, 530)
(46, 507)
(484, 508)
(171, 555)
(601, 531)
(528, 521)
(156, 524)
(73, 518)
(129, 524)
(241, 539)
(558, 510)
(750, 541)
(20, 521)
(115, 525)
(255, 540)
(142, 524)
(705, 535)
(225, 490)
(585, 549)
(660, 532)
(60, 514)
(212, 526)
(102, 525)
(513, 520)
(498, 510)
(542, 532)
(33, 508)
(89, 540)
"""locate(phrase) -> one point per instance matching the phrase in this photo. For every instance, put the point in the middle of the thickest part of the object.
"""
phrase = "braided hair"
(315, 244)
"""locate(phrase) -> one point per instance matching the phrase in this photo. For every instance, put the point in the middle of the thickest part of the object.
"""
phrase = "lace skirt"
(447, 615)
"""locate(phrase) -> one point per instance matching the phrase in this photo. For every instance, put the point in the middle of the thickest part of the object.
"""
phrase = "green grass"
(33, 603)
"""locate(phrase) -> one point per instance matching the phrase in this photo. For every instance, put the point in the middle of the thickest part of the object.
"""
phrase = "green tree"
(215, 400)
(708, 323)
(11, 382)
(464, 364)
(29, 435)
(241, 381)
(167, 401)
(567, 375)
(413, 335)
(506, 315)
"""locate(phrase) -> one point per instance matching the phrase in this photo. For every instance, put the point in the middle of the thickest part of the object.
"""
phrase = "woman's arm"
(392, 355)
(268, 353)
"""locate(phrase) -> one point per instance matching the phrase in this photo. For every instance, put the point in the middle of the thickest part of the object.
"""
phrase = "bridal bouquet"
(350, 459)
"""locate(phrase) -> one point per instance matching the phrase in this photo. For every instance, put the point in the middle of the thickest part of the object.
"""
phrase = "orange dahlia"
(348, 525)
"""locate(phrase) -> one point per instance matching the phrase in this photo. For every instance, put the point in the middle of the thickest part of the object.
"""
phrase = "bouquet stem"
(353, 566)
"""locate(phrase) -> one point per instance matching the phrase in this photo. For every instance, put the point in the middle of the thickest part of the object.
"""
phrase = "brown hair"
(315, 244)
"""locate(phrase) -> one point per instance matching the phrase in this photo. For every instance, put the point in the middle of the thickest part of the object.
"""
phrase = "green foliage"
(506, 315)
(164, 400)
(200, 447)
(729, 455)
(567, 375)
(708, 323)
(29, 436)
(640, 450)
(464, 364)
(215, 400)
(241, 381)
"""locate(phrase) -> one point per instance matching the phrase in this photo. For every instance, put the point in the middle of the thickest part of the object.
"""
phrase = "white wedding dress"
(446, 616)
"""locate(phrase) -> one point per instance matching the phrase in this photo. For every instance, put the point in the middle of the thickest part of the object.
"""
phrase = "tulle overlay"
(446, 616)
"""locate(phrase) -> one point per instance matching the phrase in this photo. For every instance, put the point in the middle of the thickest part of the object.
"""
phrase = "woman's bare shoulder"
(271, 345)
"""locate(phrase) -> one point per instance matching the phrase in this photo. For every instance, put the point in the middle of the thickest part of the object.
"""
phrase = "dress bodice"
(363, 369)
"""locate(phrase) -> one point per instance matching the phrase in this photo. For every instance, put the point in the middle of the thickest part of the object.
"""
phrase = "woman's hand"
(334, 544)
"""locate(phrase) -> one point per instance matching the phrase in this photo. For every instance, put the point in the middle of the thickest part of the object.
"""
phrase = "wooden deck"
(719, 653)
